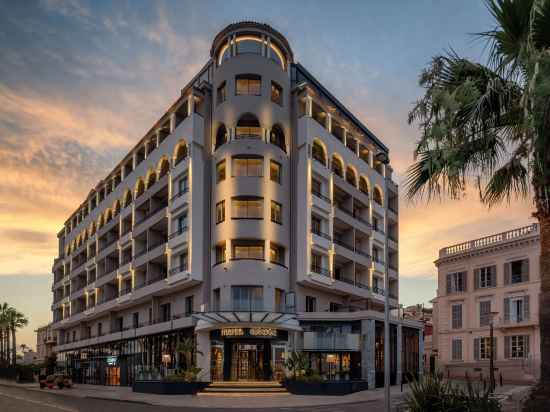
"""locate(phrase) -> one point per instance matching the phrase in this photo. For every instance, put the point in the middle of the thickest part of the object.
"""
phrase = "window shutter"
(525, 271)
(506, 309)
(476, 278)
(493, 276)
(507, 273)
(449, 289)
(476, 349)
(526, 345)
(507, 347)
(526, 307)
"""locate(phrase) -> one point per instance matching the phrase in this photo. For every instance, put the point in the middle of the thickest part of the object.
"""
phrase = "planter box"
(169, 388)
(325, 388)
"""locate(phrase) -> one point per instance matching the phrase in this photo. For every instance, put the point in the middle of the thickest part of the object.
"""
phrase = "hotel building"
(258, 215)
(495, 280)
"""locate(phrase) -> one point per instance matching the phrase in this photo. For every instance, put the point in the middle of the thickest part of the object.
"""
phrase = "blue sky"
(81, 82)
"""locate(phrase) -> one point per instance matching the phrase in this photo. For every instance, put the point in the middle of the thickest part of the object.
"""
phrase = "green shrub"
(432, 393)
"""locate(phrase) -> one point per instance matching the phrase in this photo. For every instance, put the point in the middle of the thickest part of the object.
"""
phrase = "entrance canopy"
(223, 319)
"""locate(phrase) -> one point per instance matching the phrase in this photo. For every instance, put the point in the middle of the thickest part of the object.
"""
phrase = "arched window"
(127, 199)
(337, 166)
(116, 208)
(100, 221)
(140, 188)
(151, 179)
(364, 154)
(92, 229)
(180, 152)
(318, 152)
(164, 167)
(377, 195)
(221, 136)
(277, 137)
(351, 176)
(108, 216)
(364, 185)
(248, 127)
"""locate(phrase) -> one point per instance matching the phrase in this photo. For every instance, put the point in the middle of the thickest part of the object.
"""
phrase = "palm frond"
(511, 180)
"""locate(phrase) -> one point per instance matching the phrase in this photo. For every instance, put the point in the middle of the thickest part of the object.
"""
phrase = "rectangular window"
(99, 329)
(247, 298)
(334, 307)
(183, 185)
(247, 208)
(482, 348)
(456, 349)
(276, 212)
(316, 187)
(316, 262)
(165, 312)
(184, 261)
(182, 223)
(279, 300)
(248, 84)
(220, 211)
(248, 249)
(221, 93)
(248, 166)
(275, 171)
(220, 171)
(135, 320)
(456, 316)
(276, 254)
(516, 271)
(316, 225)
(516, 346)
(311, 304)
(276, 93)
(456, 282)
(216, 299)
(516, 309)
(485, 277)
(220, 254)
(188, 305)
(484, 313)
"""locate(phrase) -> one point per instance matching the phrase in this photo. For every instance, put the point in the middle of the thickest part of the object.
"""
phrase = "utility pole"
(491, 355)
(387, 343)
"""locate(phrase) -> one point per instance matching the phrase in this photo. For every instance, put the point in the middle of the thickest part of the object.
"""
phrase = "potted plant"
(345, 373)
(50, 381)
(59, 382)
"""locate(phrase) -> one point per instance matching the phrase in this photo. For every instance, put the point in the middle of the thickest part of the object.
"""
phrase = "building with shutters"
(257, 215)
(492, 279)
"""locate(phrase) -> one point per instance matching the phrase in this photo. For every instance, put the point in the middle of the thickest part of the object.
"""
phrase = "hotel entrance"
(240, 355)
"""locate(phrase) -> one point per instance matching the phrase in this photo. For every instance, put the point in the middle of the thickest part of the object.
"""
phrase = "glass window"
(316, 225)
(275, 171)
(217, 299)
(484, 348)
(183, 184)
(279, 300)
(248, 84)
(519, 346)
(248, 249)
(316, 187)
(247, 208)
(486, 277)
(456, 282)
(182, 223)
(188, 305)
(220, 253)
(517, 271)
(457, 349)
(484, 313)
(135, 320)
(311, 304)
(184, 261)
(247, 166)
(456, 311)
(249, 46)
(276, 212)
(220, 211)
(220, 171)
(221, 93)
(276, 254)
(247, 297)
(276, 93)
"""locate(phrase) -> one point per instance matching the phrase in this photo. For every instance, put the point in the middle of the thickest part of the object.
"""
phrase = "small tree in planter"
(189, 372)
(297, 364)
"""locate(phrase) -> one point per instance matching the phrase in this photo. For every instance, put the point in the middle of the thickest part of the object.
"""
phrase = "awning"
(223, 319)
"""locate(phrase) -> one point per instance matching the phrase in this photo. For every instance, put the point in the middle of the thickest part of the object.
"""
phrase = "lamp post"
(491, 355)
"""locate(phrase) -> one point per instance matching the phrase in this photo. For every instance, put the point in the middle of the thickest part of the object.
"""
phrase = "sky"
(82, 81)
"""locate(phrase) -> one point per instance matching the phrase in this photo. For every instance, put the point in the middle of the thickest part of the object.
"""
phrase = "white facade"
(257, 201)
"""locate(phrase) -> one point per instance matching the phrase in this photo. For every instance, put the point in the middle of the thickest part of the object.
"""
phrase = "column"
(191, 104)
(328, 122)
(420, 353)
(203, 360)
(172, 122)
(309, 106)
(399, 351)
(233, 45)
(368, 366)
(268, 52)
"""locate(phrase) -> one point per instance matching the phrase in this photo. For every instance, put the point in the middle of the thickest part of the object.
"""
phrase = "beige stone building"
(258, 215)
(46, 339)
(493, 279)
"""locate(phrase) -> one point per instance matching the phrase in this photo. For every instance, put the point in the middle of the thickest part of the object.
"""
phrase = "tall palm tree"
(4, 334)
(16, 320)
(489, 125)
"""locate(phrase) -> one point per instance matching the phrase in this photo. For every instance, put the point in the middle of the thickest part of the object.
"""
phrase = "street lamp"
(491, 354)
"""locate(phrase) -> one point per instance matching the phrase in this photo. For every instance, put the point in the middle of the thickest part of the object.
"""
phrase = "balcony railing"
(179, 194)
(109, 243)
(124, 291)
(319, 233)
(151, 281)
(378, 290)
(156, 244)
(151, 212)
(320, 270)
(321, 196)
(178, 232)
(242, 136)
(178, 269)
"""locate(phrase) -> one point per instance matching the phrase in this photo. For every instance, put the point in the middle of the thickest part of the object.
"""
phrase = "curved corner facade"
(257, 215)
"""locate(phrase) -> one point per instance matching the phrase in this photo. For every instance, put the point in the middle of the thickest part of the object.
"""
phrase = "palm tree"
(489, 124)
(4, 334)
(16, 320)
(188, 347)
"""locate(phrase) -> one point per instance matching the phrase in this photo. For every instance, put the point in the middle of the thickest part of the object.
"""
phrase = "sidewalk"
(215, 401)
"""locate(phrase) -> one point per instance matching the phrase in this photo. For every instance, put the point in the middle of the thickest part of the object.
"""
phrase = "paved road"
(22, 400)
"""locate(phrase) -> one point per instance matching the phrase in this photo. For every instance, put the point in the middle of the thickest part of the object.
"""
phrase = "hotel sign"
(250, 332)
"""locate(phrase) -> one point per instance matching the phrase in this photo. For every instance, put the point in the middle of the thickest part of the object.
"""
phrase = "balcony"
(317, 341)
(321, 201)
(151, 217)
(321, 239)
(351, 218)
(178, 237)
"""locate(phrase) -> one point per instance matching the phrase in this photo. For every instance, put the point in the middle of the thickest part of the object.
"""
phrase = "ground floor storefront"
(249, 352)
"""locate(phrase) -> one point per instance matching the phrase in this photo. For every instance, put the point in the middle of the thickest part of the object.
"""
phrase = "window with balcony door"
(183, 185)
(456, 354)
(516, 347)
(247, 298)
(516, 271)
(135, 320)
(456, 316)
(220, 211)
(248, 127)
(279, 300)
(484, 313)
(188, 305)
(220, 171)
(216, 299)
(276, 94)
(248, 249)
(456, 282)
(316, 225)
(251, 166)
(482, 348)
(221, 93)
(276, 212)
(516, 309)
(248, 84)
(184, 261)
(247, 207)
(311, 304)
(275, 171)
(182, 223)
(485, 277)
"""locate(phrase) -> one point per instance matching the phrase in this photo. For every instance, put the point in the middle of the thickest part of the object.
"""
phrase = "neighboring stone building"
(495, 277)
(424, 315)
(257, 214)
(45, 341)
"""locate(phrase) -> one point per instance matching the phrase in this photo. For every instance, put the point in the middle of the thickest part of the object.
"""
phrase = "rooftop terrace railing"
(489, 240)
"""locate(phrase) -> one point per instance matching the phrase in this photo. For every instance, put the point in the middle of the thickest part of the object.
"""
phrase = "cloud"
(27, 237)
